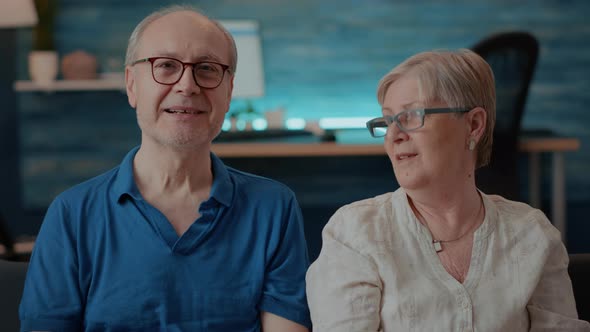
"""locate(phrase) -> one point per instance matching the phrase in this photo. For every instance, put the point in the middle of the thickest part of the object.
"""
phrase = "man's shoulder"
(78, 205)
(248, 182)
(97, 185)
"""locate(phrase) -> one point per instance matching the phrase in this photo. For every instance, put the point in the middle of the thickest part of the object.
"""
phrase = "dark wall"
(321, 59)
(10, 184)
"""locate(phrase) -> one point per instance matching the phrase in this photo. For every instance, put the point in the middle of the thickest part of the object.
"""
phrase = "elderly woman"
(438, 254)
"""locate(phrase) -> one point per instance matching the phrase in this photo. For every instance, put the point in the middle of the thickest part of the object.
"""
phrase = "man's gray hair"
(140, 28)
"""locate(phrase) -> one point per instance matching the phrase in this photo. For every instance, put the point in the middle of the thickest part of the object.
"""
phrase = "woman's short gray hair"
(140, 28)
(459, 79)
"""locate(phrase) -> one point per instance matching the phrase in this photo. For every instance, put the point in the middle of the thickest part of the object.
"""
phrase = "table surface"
(257, 149)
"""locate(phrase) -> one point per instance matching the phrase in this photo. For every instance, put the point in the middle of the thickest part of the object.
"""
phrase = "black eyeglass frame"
(151, 60)
(386, 121)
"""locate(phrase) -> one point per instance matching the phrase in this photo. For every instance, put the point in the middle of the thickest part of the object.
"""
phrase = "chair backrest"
(12, 280)
(5, 238)
(513, 58)
(579, 271)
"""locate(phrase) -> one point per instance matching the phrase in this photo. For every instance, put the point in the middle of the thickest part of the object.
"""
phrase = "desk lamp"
(249, 78)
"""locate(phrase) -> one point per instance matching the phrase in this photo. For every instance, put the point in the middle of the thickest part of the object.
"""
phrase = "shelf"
(117, 83)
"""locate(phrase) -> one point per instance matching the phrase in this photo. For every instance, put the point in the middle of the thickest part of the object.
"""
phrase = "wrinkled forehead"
(403, 89)
(186, 34)
(428, 85)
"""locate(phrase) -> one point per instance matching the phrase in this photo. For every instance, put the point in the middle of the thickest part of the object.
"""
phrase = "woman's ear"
(476, 120)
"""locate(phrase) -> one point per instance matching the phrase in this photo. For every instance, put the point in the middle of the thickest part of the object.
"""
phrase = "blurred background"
(321, 60)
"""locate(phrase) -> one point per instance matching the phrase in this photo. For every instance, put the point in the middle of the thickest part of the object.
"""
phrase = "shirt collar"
(222, 189)
(124, 183)
(223, 186)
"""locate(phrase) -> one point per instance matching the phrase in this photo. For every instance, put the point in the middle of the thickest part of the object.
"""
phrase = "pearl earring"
(471, 144)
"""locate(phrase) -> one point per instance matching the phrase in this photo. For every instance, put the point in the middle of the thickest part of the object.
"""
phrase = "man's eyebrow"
(200, 58)
(167, 55)
(208, 57)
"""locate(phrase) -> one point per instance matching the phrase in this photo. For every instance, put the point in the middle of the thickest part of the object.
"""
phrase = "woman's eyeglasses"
(406, 120)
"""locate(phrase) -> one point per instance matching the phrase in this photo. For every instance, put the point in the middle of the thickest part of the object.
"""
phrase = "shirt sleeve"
(552, 306)
(284, 284)
(51, 298)
(343, 287)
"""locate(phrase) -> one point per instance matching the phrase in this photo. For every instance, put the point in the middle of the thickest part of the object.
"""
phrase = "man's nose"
(187, 82)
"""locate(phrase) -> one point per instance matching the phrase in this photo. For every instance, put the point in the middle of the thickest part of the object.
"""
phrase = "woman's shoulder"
(372, 219)
(522, 218)
(367, 205)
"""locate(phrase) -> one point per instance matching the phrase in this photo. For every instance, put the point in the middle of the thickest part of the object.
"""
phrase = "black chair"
(513, 57)
(6, 239)
(12, 281)
(9, 248)
(579, 271)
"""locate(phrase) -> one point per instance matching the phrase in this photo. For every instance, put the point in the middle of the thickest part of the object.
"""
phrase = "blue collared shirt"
(107, 260)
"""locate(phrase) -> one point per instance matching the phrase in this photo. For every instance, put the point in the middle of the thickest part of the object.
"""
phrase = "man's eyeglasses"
(168, 71)
(406, 120)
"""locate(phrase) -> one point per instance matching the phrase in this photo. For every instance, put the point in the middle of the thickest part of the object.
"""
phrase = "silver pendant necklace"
(437, 244)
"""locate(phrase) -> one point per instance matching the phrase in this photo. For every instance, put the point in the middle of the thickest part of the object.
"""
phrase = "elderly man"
(172, 239)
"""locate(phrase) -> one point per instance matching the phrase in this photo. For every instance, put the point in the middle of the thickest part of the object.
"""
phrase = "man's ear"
(477, 119)
(231, 85)
(230, 91)
(130, 86)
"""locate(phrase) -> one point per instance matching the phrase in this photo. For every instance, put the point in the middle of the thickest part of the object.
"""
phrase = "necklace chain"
(438, 243)
(460, 236)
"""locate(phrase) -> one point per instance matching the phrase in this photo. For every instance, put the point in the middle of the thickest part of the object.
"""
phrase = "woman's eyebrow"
(409, 106)
(412, 105)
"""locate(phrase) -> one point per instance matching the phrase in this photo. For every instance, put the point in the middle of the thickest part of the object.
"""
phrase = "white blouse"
(378, 271)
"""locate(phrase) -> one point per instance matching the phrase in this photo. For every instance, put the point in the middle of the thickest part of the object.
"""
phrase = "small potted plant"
(233, 120)
(43, 59)
(241, 119)
(249, 114)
